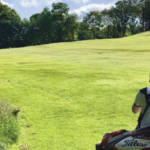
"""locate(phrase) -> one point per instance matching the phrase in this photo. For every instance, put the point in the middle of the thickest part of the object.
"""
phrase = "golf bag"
(126, 140)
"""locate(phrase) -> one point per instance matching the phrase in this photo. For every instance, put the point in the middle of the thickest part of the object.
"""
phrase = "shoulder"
(140, 95)
(140, 99)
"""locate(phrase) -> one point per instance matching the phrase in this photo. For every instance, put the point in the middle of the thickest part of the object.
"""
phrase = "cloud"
(55, 1)
(81, 1)
(87, 8)
(75, 1)
(6, 3)
(28, 3)
(52, 1)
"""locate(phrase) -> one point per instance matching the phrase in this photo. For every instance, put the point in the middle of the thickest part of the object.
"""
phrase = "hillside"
(70, 94)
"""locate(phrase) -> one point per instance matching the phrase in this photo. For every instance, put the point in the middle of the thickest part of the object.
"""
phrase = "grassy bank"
(70, 94)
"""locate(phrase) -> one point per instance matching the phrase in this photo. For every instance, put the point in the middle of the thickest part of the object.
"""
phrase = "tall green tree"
(120, 15)
(54, 25)
(109, 29)
(9, 27)
(40, 29)
(60, 12)
(94, 21)
(25, 30)
(124, 16)
(84, 32)
(135, 24)
(146, 14)
(33, 33)
(71, 27)
(91, 26)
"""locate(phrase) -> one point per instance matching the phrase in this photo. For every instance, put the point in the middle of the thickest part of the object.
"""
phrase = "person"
(138, 138)
(142, 105)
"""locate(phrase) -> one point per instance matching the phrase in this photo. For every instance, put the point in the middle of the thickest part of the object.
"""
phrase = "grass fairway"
(70, 94)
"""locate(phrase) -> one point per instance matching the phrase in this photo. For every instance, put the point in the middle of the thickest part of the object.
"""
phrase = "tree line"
(127, 17)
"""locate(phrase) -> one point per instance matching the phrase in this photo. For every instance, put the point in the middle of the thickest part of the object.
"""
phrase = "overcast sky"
(26, 8)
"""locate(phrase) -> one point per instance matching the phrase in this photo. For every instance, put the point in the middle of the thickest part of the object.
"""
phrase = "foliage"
(91, 26)
(54, 25)
(71, 28)
(64, 26)
(9, 130)
(84, 32)
(9, 27)
(146, 16)
(126, 17)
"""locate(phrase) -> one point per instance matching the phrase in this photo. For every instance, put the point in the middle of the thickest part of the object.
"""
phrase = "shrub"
(9, 129)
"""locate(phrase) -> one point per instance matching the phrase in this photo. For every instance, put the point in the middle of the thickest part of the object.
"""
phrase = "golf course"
(71, 93)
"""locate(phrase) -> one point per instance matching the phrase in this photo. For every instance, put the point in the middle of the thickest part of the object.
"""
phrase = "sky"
(26, 8)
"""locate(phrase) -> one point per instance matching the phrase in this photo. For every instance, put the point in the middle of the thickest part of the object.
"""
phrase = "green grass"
(70, 94)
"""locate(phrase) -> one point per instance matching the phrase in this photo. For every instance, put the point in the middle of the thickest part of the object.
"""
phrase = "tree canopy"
(58, 24)
(9, 27)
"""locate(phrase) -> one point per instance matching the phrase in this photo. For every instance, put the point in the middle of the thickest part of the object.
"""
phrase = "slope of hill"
(70, 94)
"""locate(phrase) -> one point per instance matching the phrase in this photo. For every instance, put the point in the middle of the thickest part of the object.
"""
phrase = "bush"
(9, 129)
